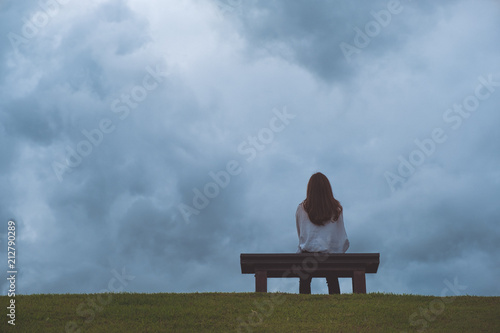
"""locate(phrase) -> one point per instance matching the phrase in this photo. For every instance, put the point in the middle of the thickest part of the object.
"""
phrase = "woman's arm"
(297, 221)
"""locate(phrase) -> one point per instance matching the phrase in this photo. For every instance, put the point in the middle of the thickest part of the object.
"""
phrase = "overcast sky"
(161, 139)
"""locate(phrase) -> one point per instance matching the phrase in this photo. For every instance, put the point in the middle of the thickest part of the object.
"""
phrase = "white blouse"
(328, 238)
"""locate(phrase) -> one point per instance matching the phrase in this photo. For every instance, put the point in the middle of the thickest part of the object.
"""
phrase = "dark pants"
(332, 282)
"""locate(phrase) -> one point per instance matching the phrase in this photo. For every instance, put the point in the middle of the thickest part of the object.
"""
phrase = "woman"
(320, 226)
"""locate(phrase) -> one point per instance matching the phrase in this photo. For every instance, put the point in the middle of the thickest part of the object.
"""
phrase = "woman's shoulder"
(300, 208)
(340, 220)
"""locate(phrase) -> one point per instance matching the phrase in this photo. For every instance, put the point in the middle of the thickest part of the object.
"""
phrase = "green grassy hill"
(251, 312)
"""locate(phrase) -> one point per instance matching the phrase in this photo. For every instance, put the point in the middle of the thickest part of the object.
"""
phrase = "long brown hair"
(320, 204)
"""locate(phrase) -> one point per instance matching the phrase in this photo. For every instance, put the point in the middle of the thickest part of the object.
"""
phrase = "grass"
(251, 312)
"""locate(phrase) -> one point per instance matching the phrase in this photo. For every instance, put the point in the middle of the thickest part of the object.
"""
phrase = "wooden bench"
(286, 265)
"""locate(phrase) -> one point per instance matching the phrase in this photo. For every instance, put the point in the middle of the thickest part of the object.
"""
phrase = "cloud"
(114, 114)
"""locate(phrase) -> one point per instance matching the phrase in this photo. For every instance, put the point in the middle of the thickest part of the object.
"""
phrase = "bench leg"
(359, 282)
(261, 281)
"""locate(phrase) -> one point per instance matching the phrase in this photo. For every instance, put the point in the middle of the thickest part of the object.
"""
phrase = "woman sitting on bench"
(320, 226)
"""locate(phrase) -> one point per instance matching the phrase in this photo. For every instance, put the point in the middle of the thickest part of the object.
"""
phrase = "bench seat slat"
(369, 261)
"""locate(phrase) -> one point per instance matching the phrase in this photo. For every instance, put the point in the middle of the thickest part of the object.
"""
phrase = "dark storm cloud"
(314, 34)
(157, 98)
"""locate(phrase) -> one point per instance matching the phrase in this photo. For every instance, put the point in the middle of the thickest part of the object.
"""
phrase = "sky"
(151, 142)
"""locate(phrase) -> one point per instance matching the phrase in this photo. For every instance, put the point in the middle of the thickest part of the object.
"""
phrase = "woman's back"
(328, 238)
